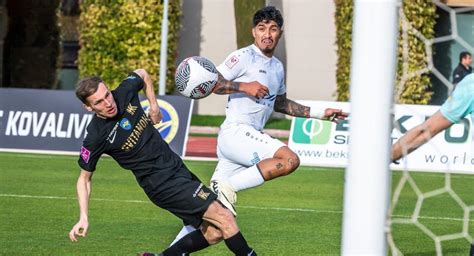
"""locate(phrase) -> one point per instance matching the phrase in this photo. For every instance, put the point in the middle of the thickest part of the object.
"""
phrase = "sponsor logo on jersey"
(137, 132)
(168, 127)
(125, 124)
(131, 77)
(85, 154)
(268, 100)
(262, 71)
(230, 63)
(113, 133)
(131, 109)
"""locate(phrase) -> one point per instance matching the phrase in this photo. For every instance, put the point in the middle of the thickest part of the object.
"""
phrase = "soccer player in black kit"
(121, 129)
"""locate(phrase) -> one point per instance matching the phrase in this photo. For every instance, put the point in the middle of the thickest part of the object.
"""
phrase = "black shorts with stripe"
(183, 194)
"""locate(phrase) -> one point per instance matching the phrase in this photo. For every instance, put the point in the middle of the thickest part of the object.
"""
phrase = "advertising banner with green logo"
(324, 143)
(53, 121)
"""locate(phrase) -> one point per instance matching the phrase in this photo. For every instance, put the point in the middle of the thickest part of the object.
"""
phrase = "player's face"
(102, 102)
(266, 36)
(468, 60)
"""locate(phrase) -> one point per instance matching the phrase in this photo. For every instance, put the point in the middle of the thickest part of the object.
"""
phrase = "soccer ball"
(196, 77)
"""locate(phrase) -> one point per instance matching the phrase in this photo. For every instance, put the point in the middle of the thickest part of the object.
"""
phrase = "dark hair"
(86, 87)
(267, 14)
(463, 55)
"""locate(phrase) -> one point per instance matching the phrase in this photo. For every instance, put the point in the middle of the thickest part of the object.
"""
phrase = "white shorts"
(240, 146)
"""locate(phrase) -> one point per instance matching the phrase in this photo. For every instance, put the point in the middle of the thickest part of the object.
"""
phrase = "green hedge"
(123, 35)
(421, 14)
(244, 11)
(344, 46)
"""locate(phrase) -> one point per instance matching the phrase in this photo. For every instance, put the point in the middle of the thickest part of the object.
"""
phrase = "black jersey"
(129, 138)
(460, 72)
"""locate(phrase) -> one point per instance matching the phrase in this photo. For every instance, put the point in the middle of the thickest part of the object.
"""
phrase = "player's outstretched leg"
(223, 220)
(219, 224)
(195, 240)
(184, 231)
(283, 162)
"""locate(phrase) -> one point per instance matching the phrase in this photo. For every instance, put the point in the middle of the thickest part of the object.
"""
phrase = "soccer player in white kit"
(247, 156)
(254, 78)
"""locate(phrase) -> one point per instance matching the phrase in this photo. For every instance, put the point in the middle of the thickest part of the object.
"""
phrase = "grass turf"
(300, 214)
(216, 121)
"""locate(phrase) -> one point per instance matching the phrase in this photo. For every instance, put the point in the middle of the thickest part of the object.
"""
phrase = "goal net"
(407, 212)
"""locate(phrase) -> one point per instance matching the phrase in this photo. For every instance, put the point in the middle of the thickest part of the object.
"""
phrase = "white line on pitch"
(239, 206)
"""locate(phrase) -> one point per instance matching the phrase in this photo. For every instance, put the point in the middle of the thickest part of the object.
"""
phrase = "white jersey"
(246, 65)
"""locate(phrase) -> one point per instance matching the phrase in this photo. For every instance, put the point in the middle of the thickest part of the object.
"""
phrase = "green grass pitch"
(300, 214)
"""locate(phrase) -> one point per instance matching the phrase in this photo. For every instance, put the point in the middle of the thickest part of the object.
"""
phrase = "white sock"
(248, 178)
(184, 231)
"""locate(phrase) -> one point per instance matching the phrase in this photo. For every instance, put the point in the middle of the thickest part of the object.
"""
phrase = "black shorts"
(182, 194)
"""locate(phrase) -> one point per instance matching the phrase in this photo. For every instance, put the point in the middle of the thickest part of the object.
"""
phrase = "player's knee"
(292, 163)
(229, 225)
(213, 235)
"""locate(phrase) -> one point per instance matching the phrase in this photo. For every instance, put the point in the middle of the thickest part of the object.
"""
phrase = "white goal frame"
(367, 178)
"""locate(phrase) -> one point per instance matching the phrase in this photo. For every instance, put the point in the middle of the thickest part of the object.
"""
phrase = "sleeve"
(456, 76)
(89, 155)
(458, 105)
(235, 65)
(133, 82)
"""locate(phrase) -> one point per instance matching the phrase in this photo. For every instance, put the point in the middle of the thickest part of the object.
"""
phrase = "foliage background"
(244, 10)
(120, 36)
(421, 14)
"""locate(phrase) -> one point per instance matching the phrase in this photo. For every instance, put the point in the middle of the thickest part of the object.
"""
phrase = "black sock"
(472, 250)
(238, 245)
(191, 242)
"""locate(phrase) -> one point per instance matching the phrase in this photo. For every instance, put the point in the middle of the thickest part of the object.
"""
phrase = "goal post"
(367, 177)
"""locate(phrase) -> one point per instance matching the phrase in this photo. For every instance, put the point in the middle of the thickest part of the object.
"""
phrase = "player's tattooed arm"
(224, 86)
(254, 88)
(289, 107)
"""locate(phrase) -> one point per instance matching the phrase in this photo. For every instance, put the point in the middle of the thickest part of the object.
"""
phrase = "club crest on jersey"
(199, 192)
(131, 109)
(85, 154)
(230, 63)
(125, 124)
(203, 195)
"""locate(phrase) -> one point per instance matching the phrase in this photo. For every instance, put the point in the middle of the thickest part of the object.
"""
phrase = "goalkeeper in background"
(459, 105)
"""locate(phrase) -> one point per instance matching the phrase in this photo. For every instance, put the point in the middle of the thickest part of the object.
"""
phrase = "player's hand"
(335, 115)
(254, 89)
(155, 115)
(80, 229)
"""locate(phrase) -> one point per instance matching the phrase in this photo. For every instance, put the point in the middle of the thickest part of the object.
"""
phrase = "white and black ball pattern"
(196, 77)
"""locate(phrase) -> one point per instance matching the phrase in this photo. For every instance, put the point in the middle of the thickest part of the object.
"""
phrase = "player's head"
(465, 58)
(267, 29)
(96, 97)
